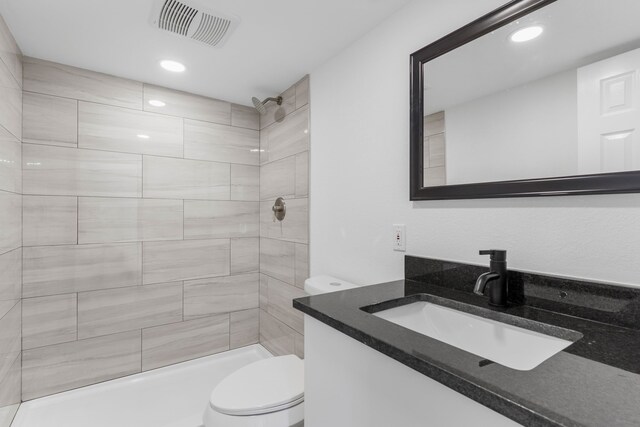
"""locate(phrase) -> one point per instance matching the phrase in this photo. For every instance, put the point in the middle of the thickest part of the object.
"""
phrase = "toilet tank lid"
(261, 387)
(323, 284)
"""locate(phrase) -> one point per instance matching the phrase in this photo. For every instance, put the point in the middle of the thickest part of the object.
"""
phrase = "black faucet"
(496, 278)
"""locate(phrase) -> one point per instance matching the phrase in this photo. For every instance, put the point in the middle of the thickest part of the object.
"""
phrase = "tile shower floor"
(174, 396)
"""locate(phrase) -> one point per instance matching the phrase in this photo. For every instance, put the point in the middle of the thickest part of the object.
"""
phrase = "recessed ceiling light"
(526, 34)
(172, 66)
(143, 136)
(157, 103)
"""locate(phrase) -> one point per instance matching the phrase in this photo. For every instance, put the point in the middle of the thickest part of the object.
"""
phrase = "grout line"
(130, 153)
(10, 193)
(17, 301)
(77, 220)
(141, 263)
(10, 71)
(19, 140)
(77, 315)
(141, 341)
(144, 110)
(175, 199)
(131, 242)
(77, 123)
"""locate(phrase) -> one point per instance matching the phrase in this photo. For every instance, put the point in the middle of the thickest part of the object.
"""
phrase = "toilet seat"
(262, 387)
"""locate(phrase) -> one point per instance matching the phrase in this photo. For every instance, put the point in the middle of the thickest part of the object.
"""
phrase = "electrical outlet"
(399, 237)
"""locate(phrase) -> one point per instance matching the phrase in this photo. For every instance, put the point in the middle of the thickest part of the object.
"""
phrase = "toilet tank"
(323, 284)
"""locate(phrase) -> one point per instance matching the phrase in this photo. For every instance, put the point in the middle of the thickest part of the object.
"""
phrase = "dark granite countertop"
(593, 382)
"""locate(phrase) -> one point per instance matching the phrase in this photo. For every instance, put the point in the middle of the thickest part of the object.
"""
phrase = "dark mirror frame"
(618, 182)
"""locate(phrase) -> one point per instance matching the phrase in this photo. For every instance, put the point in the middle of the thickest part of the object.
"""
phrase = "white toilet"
(270, 392)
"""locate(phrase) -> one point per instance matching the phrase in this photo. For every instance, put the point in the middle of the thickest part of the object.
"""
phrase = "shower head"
(260, 105)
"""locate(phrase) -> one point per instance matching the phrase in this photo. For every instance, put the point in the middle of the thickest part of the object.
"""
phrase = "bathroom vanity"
(364, 369)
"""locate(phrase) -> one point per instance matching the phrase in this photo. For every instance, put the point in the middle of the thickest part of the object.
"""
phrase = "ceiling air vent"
(188, 19)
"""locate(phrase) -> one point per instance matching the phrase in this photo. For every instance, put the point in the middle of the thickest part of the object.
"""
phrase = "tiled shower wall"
(435, 140)
(284, 246)
(10, 223)
(141, 227)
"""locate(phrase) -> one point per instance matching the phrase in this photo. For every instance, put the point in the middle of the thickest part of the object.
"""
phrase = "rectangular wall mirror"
(538, 98)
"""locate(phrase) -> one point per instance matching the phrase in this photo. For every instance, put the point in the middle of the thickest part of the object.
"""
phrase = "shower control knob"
(279, 209)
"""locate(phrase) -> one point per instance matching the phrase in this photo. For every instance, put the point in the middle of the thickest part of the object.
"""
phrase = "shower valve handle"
(279, 209)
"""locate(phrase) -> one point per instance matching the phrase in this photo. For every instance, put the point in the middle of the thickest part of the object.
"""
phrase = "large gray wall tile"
(187, 105)
(11, 277)
(49, 320)
(302, 92)
(65, 171)
(125, 309)
(61, 367)
(10, 387)
(102, 220)
(301, 264)
(10, 162)
(280, 296)
(105, 127)
(245, 182)
(11, 220)
(245, 255)
(277, 259)
(294, 228)
(49, 220)
(184, 260)
(70, 82)
(264, 291)
(275, 336)
(10, 334)
(434, 124)
(221, 143)
(168, 344)
(289, 137)
(245, 117)
(185, 179)
(10, 52)
(219, 219)
(244, 328)
(220, 295)
(302, 174)
(10, 102)
(51, 270)
(7, 305)
(49, 120)
(278, 179)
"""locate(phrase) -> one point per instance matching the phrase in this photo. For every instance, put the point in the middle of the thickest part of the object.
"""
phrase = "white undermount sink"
(508, 345)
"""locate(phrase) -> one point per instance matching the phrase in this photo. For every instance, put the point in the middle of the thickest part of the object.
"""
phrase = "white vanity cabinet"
(348, 384)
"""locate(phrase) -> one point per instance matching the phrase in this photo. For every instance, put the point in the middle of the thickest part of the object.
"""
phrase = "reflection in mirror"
(555, 93)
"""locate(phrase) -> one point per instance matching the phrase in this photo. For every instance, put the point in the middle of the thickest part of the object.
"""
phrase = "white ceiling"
(276, 43)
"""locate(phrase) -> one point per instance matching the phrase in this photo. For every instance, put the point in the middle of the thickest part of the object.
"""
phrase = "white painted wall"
(534, 127)
(341, 392)
(360, 177)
